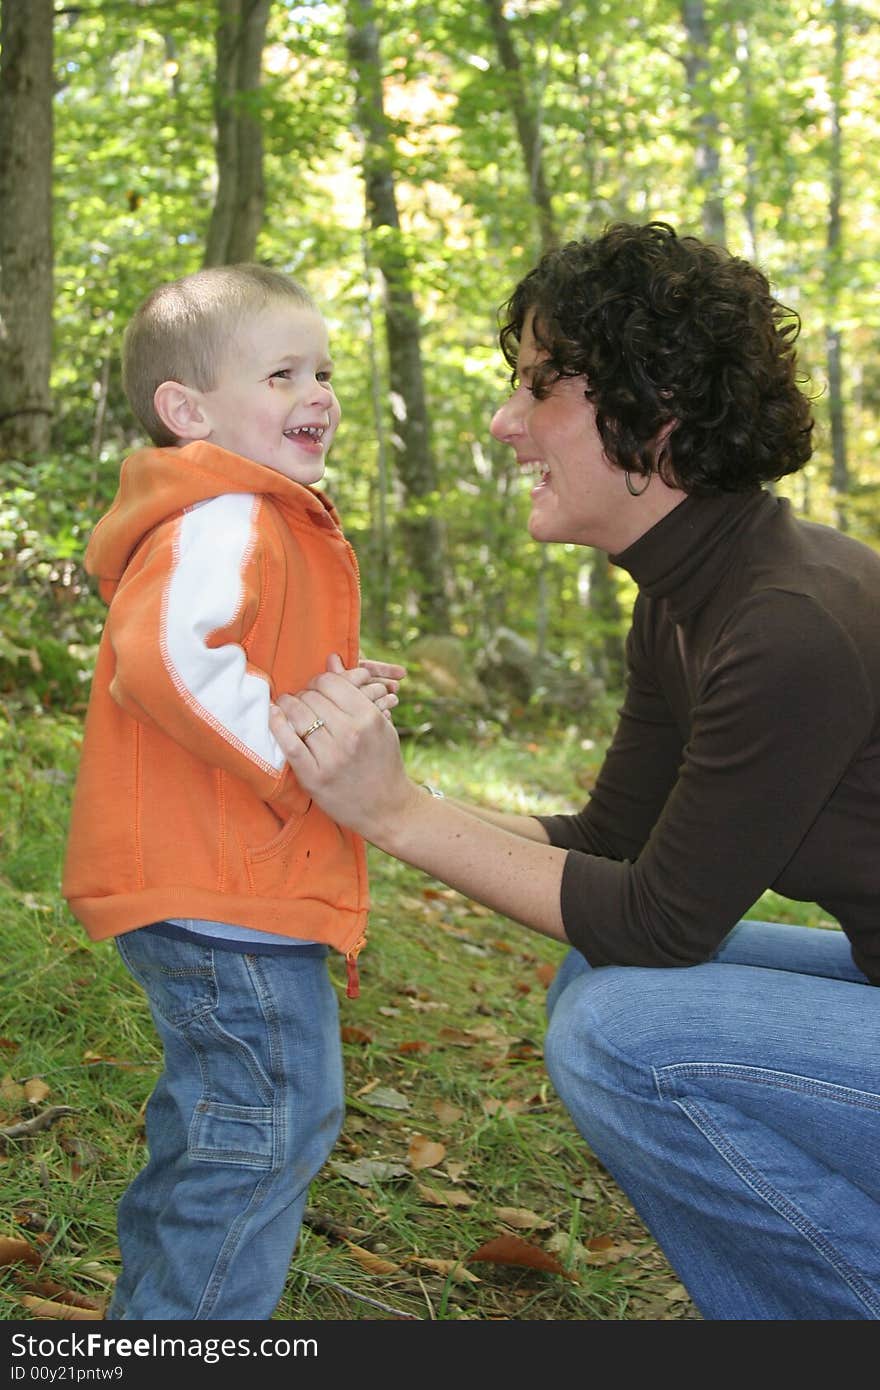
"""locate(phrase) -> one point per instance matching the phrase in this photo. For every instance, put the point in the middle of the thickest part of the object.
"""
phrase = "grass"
(445, 1083)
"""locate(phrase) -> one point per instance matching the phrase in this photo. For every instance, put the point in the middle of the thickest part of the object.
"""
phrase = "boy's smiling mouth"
(309, 431)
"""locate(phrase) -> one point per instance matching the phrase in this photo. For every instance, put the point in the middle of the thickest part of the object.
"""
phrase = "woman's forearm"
(516, 873)
(350, 764)
(527, 827)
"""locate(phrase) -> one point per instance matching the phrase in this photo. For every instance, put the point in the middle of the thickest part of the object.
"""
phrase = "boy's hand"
(378, 680)
(384, 670)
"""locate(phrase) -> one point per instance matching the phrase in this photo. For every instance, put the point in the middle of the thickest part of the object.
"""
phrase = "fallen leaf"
(13, 1250)
(450, 1269)
(455, 1170)
(522, 1218)
(447, 1113)
(511, 1250)
(93, 1269)
(9, 1045)
(373, 1264)
(386, 1098)
(677, 1293)
(59, 1312)
(503, 946)
(11, 1093)
(459, 1037)
(424, 1152)
(610, 1254)
(350, 1034)
(414, 1047)
(490, 1032)
(587, 1191)
(492, 1106)
(35, 1090)
(435, 1198)
(546, 974)
(366, 1171)
(50, 1288)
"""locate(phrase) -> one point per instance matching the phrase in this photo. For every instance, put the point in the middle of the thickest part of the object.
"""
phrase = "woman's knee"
(602, 1036)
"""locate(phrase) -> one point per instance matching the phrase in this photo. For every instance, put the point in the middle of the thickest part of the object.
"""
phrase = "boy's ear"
(180, 409)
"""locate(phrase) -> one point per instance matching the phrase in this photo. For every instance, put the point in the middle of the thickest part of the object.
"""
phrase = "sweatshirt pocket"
(271, 865)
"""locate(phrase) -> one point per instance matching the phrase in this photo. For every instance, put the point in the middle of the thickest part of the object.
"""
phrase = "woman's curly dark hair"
(670, 329)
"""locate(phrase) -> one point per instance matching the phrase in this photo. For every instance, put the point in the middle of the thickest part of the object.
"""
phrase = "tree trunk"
(840, 480)
(416, 465)
(528, 125)
(26, 91)
(751, 192)
(707, 161)
(603, 589)
(238, 208)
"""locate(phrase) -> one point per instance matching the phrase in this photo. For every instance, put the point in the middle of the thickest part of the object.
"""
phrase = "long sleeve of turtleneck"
(746, 745)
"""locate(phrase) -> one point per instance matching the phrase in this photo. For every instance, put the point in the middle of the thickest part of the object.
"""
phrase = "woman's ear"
(180, 409)
(663, 453)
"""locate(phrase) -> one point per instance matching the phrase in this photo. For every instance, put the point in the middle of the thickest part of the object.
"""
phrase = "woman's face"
(579, 496)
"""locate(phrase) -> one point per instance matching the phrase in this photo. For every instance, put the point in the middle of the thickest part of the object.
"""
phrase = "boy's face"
(273, 402)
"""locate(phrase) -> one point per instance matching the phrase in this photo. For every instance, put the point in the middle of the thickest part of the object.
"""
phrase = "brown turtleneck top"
(747, 755)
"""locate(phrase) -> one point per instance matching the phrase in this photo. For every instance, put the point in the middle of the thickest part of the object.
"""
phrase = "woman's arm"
(513, 872)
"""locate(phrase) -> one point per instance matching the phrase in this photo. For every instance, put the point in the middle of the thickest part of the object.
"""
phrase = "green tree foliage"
(620, 122)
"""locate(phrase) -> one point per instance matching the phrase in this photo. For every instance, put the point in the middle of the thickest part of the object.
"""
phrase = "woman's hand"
(346, 755)
(378, 680)
(350, 759)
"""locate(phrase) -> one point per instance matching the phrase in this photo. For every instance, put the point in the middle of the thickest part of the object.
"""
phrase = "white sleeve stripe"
(214, 543)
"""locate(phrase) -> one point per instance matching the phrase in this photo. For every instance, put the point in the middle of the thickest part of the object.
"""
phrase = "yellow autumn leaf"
(35, 1090)
(373, 1264)
(450, 1269)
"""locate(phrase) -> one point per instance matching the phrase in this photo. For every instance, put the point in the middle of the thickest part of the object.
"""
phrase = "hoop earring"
(636, 491)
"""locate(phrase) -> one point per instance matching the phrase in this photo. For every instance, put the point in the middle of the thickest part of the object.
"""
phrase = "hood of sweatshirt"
(158, 484)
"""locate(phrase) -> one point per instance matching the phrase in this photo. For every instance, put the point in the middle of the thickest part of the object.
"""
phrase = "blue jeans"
(246, 1110)
(737, 1104)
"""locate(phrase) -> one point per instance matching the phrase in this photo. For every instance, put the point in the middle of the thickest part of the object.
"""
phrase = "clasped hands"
(350, 762)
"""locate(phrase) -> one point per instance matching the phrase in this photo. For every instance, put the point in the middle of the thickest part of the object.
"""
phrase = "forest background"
(409, 162)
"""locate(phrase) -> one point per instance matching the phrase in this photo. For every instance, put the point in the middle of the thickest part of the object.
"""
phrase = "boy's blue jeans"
(246, 1110)
(737, 1104)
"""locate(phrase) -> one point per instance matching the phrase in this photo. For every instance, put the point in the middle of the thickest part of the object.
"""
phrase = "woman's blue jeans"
(737, 1104)
(246, 1110)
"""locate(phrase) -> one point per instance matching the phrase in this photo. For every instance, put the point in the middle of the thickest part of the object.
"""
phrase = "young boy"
(228, 581)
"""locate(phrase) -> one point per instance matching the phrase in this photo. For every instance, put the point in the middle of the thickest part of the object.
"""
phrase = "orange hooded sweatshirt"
(228, 584)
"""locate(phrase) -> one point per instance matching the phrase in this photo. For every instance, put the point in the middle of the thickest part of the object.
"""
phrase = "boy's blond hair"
(181, 332)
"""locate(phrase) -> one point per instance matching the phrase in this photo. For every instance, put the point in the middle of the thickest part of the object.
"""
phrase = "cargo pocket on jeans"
(239, 1134)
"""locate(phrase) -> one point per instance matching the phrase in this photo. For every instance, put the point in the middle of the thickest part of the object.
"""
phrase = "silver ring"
(318, 724)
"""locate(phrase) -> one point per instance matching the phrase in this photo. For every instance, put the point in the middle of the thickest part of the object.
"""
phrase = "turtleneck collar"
(684, 556)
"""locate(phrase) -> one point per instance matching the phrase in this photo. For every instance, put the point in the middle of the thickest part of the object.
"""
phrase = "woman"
(727, 1075)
